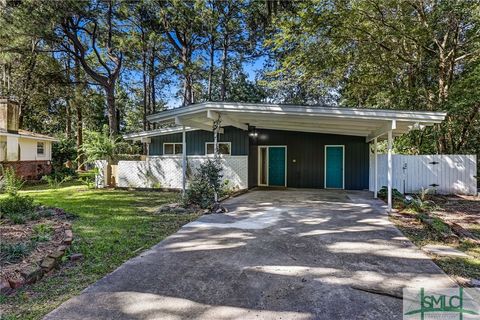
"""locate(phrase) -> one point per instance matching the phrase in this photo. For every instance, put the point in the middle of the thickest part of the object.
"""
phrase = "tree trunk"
(144, 78)
(81, 159)
(79, 86)
(68, 100)
(68, 115)
(212, 64)
(223, 86)
(112, 110)
(187, 81)
(187, 90)
(153, 76)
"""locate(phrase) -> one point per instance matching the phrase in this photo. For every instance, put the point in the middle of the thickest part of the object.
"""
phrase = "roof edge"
(314, 110)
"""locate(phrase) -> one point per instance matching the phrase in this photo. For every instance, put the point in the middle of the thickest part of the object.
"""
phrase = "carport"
(371, 125)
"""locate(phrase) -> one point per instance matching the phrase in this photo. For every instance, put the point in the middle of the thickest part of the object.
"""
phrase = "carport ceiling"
(368, 123)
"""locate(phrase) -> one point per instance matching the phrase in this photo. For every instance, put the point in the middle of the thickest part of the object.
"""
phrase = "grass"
(110, 227)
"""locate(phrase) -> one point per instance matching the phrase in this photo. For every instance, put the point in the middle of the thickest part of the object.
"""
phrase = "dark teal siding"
(196, 141)
(308, 151)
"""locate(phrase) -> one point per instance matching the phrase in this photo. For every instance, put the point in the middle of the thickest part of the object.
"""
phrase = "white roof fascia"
(337, 112)
(23, 136)
(156, 132)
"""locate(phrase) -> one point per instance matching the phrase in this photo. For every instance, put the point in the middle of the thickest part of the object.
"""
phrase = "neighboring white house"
(29, 153)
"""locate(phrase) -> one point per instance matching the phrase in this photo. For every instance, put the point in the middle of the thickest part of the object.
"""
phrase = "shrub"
(11, 182)
(42, 232)
(64, 172)
(100, 145)
(18, 208)
(396, 195)
(88, 177)
(440, 226)
(63, 151)
(204, 185)
(54, 181)
(14, 252)
(419, 203)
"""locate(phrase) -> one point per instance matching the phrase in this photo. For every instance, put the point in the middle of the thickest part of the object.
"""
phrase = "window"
(172, 148)
(40, 148)
(223, 148)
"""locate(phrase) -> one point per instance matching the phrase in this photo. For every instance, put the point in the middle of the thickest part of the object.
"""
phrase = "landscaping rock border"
(33, 274)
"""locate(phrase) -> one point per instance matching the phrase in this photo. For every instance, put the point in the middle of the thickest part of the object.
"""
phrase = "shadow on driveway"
(290, 254)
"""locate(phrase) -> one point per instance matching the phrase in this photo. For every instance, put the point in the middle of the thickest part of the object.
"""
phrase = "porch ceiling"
(368, 123)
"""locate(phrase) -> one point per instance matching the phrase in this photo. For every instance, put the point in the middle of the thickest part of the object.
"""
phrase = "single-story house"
(272, 145)
(28, 153)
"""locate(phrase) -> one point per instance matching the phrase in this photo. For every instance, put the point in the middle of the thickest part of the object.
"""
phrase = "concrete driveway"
(290, 254)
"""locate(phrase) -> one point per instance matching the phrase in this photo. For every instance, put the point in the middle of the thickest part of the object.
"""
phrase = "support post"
(216, 127)
(215, 142)
(184, 160)
(390, 170)
(375, 170)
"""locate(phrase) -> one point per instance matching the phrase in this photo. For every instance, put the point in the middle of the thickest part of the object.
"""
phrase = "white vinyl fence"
(447, 174)
(166, 171)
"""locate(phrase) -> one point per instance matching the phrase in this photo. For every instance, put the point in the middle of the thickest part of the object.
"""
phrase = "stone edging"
(34, 273)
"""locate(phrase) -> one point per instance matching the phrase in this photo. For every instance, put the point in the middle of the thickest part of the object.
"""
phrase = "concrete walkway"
(292, 254)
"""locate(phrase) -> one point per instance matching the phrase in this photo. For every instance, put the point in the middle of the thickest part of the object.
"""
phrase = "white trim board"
(219, 142)
(337, 112)
(325, 165)
(174, 143)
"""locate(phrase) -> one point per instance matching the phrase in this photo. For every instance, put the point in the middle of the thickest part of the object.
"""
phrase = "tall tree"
(87, 33)
(388, 54)
(184, 28)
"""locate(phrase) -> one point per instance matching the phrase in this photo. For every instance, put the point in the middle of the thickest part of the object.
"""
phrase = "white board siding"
(166, 171)
(28, 150)
(454, 174)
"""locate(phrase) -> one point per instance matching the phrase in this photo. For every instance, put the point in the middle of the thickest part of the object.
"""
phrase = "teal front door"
(334, 167)
(276, 166)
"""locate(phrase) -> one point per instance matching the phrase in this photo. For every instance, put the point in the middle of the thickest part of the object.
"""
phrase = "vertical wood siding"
(454, 174)
(196, 141)
(307, 149)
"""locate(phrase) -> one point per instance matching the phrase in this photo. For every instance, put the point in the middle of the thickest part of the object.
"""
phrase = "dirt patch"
(462, 210)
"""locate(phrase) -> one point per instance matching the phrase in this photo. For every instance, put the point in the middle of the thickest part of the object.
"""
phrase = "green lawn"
(111, 226)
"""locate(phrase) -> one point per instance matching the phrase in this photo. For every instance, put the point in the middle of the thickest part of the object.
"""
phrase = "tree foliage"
(411, 55)
(77, 65)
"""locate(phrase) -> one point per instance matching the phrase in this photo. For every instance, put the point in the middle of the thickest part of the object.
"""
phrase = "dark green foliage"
(13, 252)
(18, 208)
(205, 182)
(63, 151)
(420, 55)
(383, 193)
(439, 225)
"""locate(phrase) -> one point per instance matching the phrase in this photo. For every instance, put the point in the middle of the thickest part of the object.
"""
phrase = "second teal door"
(276, 166)
(334, 167)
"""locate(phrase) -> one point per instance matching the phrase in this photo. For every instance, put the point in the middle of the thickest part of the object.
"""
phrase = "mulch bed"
(462, 210)
(60, 237)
